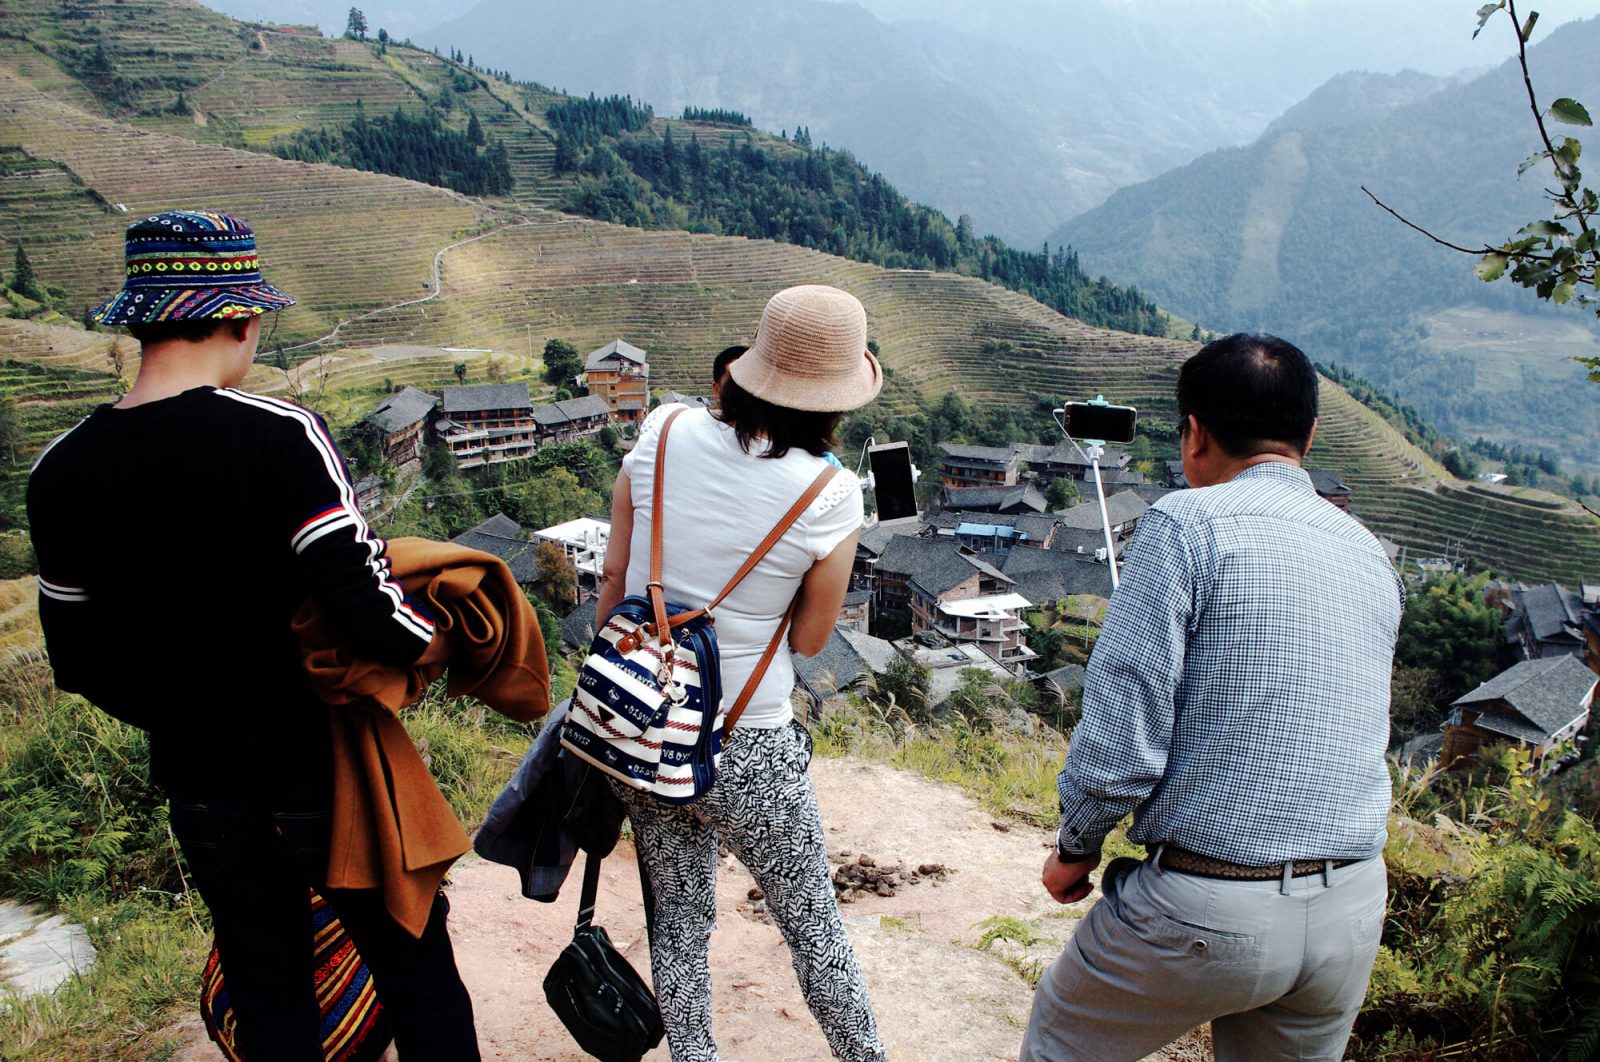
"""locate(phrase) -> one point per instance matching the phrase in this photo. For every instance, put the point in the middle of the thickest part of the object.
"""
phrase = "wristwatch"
(1067, 856)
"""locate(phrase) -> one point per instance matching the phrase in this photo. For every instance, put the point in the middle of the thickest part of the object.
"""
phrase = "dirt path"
(937, 996)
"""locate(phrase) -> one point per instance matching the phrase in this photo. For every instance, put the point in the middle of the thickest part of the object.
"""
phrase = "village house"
(369, 494)
(947, 665)
(1123, 510)
(830, 673)
(961, 465)
(995, 534)
(503, 537)
(488, 423)
(1018, 498)
(1330, 486)
(619, 372)
(967, 600)
(1046, 576)
(399, 426)
(1537, 704)
(570, 420)
(856, 612)
(1063, 460)
(1545, 621)
(583, 541)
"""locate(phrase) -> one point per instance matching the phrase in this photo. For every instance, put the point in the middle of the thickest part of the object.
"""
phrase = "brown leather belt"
(1184, 862)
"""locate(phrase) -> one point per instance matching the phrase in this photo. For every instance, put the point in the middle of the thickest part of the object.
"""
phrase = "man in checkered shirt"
(1237, 705)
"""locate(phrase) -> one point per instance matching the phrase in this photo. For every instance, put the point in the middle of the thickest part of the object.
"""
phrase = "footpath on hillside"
(938, 996)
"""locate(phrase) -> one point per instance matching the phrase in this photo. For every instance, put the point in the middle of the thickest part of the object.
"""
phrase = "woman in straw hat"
(731, 476)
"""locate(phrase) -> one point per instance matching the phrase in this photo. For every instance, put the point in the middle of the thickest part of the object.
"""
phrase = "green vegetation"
(419, 149)
(720, 116)
(1449, 629)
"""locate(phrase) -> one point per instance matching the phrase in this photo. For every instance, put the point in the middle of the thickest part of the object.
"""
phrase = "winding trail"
(937, 996)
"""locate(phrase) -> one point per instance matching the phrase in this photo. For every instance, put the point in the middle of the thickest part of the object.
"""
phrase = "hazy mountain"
(1358, 97)
(1278, 235)
(402, 18)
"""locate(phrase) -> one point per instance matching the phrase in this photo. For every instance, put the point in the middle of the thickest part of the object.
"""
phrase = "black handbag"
(603, 1002)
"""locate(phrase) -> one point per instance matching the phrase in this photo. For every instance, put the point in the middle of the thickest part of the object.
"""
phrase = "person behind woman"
(729, 477)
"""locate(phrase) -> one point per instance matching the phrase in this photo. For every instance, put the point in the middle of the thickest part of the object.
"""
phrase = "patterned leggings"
(764, 809)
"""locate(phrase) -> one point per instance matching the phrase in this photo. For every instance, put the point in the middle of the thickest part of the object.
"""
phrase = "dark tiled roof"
(1064, 678)
(558, 413)
(876, 538)
(616, 350)
(402, 409)
(679, 398)
(577, 629)
(857, 597)
(1123, 506)
(833, 669)
(1065, 454)
(1000, 455)
(1553, 611)
(1152, 492)
(1079, 540)
(977, 499)
(486, 396)
(1547, 693)
(503, 537)
(1048, 575)
(1328, 484)
(934, 565)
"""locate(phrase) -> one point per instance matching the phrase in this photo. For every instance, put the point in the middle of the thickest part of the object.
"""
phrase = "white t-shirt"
(720, 502)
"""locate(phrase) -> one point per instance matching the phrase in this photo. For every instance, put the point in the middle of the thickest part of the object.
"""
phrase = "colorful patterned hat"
(190, 265)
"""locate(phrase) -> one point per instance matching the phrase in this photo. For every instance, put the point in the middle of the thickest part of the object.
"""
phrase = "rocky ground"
(922, 872)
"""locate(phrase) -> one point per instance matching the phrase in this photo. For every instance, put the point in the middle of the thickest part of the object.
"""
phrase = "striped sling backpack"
(648, 706)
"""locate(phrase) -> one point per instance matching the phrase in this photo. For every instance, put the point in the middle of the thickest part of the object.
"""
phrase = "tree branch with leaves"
(1556, 257)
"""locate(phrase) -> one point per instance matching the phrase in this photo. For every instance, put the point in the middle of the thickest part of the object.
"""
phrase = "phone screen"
(891, 482)
(1086, 420)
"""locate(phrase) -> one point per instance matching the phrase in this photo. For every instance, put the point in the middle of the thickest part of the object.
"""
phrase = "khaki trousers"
(1279, 971)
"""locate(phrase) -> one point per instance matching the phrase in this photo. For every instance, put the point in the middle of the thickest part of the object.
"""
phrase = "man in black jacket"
(177, 532)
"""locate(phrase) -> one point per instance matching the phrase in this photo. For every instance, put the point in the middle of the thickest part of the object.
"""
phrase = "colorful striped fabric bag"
(353, 1025)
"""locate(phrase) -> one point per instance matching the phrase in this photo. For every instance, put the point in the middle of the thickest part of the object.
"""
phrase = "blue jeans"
(253, 865)
(1280, 972)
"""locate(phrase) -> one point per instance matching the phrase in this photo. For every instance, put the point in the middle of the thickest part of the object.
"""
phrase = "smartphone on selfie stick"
(1094, 424)
(893, 481)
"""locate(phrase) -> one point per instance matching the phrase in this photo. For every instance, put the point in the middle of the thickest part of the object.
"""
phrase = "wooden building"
(619, 372)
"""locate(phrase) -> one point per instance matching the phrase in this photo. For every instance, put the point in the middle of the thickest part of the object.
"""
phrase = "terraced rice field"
(339, 240)
(351, 244)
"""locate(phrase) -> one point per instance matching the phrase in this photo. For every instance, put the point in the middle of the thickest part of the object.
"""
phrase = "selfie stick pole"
(1097, 449)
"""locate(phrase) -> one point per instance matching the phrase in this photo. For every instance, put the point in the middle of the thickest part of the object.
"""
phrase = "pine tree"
(355, 26)
(23, 280)
(474, 131)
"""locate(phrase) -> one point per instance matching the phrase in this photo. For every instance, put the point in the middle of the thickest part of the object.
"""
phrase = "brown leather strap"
(749, 690)
(654, 590)
(657, 593)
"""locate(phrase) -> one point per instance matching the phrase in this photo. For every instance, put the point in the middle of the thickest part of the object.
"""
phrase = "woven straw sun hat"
(811, 352)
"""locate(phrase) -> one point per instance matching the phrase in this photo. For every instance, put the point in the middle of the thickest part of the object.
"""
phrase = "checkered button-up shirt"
(1237, 702)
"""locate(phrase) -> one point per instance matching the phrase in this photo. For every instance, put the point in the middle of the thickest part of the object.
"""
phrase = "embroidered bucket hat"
(811, 352)
(190, 265)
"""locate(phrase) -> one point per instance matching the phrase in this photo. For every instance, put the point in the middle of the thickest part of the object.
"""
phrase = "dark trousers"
(253, 865)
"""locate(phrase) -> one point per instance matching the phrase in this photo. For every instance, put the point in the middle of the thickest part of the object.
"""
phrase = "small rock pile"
(862, 876)
(857, 876)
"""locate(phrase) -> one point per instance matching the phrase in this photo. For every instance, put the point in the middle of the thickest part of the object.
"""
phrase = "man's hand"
(1068, 882)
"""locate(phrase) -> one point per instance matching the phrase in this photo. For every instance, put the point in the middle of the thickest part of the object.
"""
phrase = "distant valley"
(1279, 236)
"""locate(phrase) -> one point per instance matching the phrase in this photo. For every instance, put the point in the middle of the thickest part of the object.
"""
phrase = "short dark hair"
(719, 364)
(191, 331)
(781, 429)
(1254, 393)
